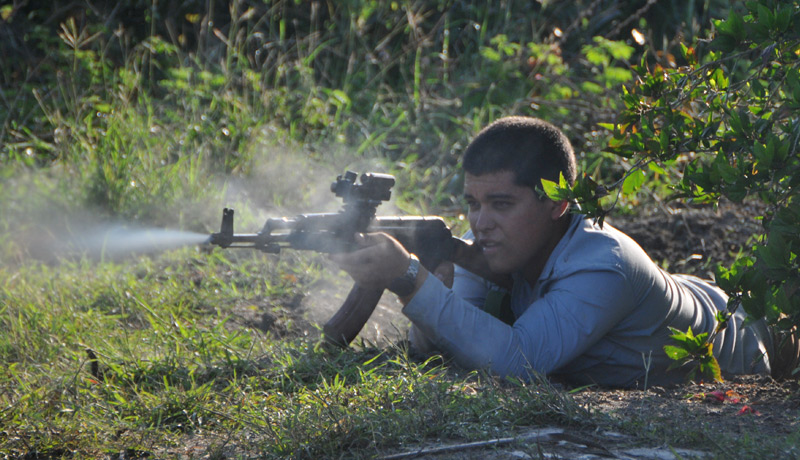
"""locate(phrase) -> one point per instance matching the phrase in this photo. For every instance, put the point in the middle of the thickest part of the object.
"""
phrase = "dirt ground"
(682, 240)
(748, 406)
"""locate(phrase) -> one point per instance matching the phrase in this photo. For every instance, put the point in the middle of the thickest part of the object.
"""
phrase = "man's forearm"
(475, 339)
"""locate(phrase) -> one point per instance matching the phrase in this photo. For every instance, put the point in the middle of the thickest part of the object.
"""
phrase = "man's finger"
(369, 239)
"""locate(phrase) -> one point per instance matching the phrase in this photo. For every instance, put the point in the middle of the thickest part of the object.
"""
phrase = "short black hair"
(531, 148)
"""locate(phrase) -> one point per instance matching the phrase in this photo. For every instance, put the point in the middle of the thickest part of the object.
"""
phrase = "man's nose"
(482, 221)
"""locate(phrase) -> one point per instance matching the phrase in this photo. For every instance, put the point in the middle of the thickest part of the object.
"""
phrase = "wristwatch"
(405, 284)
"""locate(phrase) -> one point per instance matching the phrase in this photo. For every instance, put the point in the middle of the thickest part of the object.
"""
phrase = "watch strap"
(405, 284)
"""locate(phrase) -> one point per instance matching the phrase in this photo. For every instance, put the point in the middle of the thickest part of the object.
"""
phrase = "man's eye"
(501, 204)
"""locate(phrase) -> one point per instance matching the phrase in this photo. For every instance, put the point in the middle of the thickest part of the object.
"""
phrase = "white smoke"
(121, 240)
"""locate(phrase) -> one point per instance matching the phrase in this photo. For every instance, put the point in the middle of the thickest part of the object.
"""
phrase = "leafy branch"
(727, 120)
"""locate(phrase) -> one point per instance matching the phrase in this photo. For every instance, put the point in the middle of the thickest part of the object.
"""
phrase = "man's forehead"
(500, 177)
(495, 183)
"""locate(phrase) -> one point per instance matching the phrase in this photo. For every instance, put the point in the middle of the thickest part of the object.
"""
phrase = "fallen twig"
(544, 434)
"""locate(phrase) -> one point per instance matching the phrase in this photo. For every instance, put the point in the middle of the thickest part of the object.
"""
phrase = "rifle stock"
(343, 327)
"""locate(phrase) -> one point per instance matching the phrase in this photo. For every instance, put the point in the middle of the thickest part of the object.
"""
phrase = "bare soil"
(693, 240)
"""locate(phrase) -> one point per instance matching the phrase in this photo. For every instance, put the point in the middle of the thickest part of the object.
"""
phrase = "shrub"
(726, 121)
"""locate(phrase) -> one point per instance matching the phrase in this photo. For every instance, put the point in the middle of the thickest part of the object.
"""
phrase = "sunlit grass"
(146, 355)
(108, 357)
(150, 357)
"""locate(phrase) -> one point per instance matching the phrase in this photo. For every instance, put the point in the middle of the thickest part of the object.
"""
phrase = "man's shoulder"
(590, 245)
(588, 238)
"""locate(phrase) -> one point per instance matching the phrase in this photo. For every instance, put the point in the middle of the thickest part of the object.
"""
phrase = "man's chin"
(500, 267)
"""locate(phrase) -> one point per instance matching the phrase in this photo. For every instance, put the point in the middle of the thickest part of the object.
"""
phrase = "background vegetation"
(159, 113)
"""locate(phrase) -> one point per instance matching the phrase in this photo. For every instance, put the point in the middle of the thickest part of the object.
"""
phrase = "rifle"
(428, 237)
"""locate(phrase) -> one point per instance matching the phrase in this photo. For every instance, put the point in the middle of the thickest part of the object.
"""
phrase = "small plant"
(694, 351)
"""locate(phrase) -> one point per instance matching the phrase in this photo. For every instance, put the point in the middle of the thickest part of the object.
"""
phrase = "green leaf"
(591, 87)
(676, 353)
(700, 339)
(617, 75)
(766, 18)
(550, 189)
(710, 368)
(633, 182)
(775, 253)
(726, 172)
(719, 79)
(490, 54)
(728, 279)
(724, 43)
(556, 192)
(663, 140)
(619, 49)
(732, 27)
(783, 18)
(6, 11)
(596, 56)
(682, 337)
(656, 168)
(721, 316)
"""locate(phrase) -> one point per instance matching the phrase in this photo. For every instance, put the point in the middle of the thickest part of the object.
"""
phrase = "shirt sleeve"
(556, 328)
(470, 286)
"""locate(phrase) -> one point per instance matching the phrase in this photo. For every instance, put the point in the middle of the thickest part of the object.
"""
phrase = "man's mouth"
(488, 246)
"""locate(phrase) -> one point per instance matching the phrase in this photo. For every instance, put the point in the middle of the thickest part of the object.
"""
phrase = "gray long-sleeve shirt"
(599, 313)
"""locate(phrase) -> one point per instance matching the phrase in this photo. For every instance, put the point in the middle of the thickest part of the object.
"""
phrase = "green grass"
(146, 355)
(149, 357)
(109, 357)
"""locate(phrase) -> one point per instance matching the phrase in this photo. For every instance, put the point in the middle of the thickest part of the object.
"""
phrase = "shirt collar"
(549, 266)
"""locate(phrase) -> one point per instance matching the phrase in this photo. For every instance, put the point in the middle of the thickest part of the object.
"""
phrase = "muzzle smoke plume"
(120, 241)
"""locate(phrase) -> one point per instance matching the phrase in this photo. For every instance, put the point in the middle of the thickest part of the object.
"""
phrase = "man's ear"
(559, 209)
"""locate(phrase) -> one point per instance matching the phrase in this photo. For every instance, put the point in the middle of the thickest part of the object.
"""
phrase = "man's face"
(515, 229)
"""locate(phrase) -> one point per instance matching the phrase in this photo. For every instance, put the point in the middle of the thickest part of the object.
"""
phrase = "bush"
(727, 121)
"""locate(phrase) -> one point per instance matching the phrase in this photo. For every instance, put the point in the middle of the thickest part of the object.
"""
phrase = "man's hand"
(378, 260)
(381, 258)
(470, 257)
(446, 273)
